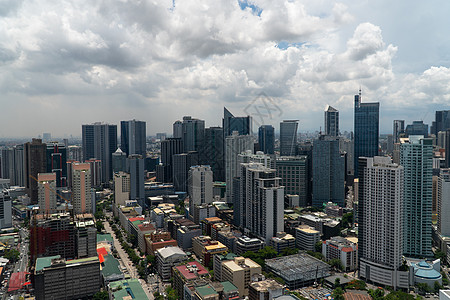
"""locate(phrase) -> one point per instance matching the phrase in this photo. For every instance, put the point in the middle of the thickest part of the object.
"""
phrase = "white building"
(261, 201)
(168, 257)
(343, 249)
(443, 203)
(306, 237)
(121, 190)
(200, 186)
(81, 188)
(381, 223)
(234, 145)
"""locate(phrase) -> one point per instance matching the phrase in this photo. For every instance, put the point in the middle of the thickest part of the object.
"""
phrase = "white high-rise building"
(47, 192)
(234, 145)
(381, 225)
(121, 189)
(81, 188)
(200, 186)
(261, 203)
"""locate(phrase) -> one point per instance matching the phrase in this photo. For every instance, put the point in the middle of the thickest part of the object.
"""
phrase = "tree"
(347, 219)
(423, 288)
(336, 264)
(338, 294)
(101, 296)
(99, 225)
(337, 282)
(12, 255)
(437, 286)
(318, 246)
(376, 294)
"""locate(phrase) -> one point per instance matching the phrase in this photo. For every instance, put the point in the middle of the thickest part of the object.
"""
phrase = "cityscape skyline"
(319, 55)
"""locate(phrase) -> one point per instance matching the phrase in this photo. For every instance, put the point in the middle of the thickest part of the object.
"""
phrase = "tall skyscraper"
(366, 130)
(121, 190)
(181, 165)
(381, 225)
(261, 201)
(57, 162)
(135, 164)
(81, 188)
(200, 186)
(213, 152)
(243, 125)
(5, 210)
(417, 128)
(169, 148)
(441, 122)
(100, 142)
(416, 156)
(288, 137)
(331, 121)
(266, 139)
(133, 137)
(443, 203)
(293, 171)
(399, 128)
(13, 165)
(47, 192)
(234, 144)
(119, 161)
(35, 161)
(193, 134)
(447, 148)
(328, 172)
(177, 130)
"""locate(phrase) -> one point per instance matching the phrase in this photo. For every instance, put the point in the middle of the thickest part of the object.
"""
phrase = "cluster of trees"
(424, 288)
(12, 255)
(101, 296)
(266, 253)
(378, 294)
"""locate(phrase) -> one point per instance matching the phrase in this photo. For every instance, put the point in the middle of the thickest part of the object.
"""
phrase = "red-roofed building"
(190, 274)
(102, 251)
(343, 249)
(144, 229)
(17, 281)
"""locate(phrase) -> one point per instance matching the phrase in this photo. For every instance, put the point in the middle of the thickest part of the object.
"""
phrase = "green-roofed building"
(106, 237)
(206, 292)
(111, 270)
(56, 278)
(127, 289)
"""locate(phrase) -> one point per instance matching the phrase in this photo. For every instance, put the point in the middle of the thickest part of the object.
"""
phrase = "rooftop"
(265, 285)
(297, 267)
(110, 266)
(169, 251)
(206, 290)
(131, 289)
(192, 270)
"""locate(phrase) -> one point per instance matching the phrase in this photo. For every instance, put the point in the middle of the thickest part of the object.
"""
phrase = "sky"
(67, 63)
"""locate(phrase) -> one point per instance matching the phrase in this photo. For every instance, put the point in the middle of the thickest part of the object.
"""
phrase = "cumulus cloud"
(158, 60)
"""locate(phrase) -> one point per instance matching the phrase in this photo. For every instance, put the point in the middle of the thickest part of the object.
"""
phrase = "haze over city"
(75, 62)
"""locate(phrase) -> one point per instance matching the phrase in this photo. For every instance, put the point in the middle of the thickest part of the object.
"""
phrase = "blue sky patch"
(243, 4)
(283, 45)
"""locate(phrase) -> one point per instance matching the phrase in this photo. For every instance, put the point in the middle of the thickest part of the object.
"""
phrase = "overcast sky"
(67, 63)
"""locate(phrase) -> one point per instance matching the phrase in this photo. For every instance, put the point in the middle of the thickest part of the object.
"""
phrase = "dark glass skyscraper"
(57, 162)
(100, 142)
(417, 128)
(288, 137)
(213, 152)
(441, 122)
(331, 121)
(193, 134)
(133, 137)
(399, 128)
(243, 125)
(366, 127)
(266, 139)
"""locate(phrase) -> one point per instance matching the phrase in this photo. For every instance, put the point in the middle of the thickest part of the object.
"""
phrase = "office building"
(293, 171)
(261, 198)
(135, 164)
(382, 224)
(288, 137)
(187, 277)
(81, 188)
(193, 134)
(417, 128)
(12, 165)
(265, 289)
(282, 241)
(57, 278)
(328, 172)
(169, 148)
(366, 130)
(100, 142)
(443, 203)
(47, 192)
(441, 122)
(5, 210)
(200, 186)
(124, 289)
(306, 238)
(234, 145)
(180, 168)
(244, 244)
(266, 139)
(85, 236)
(133, 137)
(95, 166)
(168, 257)
(35, 161)
(239, 272)
(75, 153)
(177, 132)
(230, 124)
(119, 161)
(205, 248)
(331, 121)
(57, 162)
(416, 156)
(399, 128)
(213, 153)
